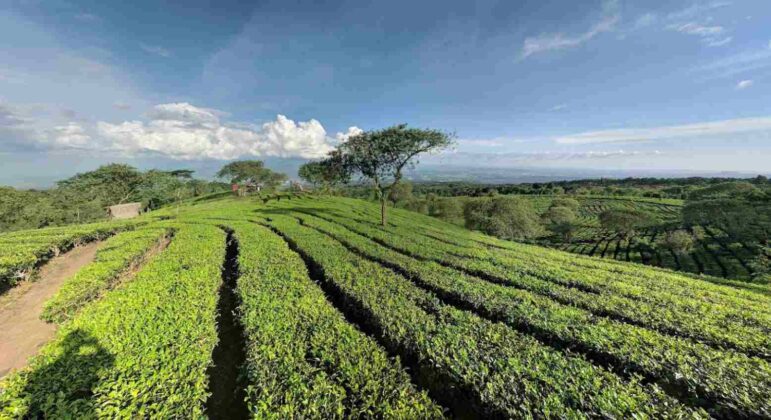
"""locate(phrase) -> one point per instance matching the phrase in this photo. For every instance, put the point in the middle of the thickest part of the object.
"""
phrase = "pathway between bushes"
(22, 332)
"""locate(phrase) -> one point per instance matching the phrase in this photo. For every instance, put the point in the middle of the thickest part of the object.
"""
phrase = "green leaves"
(114, 257)
(21, 252)
(303, 356)
(154, 335)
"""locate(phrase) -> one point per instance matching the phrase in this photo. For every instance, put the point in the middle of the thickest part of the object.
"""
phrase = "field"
(713, 254)
(325, 314)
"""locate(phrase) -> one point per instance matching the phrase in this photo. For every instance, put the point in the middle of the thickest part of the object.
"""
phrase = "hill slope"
(340, 317)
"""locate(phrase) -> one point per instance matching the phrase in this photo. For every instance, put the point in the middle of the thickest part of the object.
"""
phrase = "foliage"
(285, 314)
(114, 183)
(141, 351)
(553, 322)
(326, 174)
(382, 155)
(742, 219)
(400, 192)
(113, 258)
(561, 220)
(466, 357)
(23, 251)
(623, 221)
(678, 241)
(251, 171)
(504, 217)
(570, 203)
(84, 197)
(449, 210)
(345, 318)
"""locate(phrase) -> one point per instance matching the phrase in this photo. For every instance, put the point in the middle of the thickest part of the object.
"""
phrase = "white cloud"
(726, 127)
(352, 131)
(175, 130)
(697, 9)
(156, 49)
(70, 135)
(183, 111)
(711, 36)
(744, 84)
(693, 28)
(183, 131)
(558, 41)
(559, 107)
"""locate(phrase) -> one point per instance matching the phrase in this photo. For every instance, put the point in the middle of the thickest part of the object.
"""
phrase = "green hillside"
(713, 253)
(338, 317)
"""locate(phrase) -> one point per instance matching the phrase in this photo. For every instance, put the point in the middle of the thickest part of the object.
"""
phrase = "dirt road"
(22, 332)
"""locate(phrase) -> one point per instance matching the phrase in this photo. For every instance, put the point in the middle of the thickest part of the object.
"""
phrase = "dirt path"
(22, 332)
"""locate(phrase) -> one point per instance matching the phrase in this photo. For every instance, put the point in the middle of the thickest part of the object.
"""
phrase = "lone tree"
(382, 155)
(251, 171)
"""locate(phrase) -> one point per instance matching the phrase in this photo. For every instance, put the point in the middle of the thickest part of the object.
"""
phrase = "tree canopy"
(251, 171)
(382, 155)
(327, 173)
(84, 196)
(623, 221)
(505, 217)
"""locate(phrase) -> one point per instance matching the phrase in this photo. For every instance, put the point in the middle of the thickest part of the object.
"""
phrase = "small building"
(124, 211)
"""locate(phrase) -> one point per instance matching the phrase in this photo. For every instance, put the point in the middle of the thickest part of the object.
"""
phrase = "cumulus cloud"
(744, 84)
(183, 111)
(557, 41)
(352, 131)
(183, 131)
(726, 127)
(175, 130)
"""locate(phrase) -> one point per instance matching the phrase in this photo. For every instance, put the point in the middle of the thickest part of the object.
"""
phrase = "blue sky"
(643, 85)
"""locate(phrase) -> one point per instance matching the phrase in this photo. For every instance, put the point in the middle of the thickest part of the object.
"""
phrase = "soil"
(227, 399)
(22, 332)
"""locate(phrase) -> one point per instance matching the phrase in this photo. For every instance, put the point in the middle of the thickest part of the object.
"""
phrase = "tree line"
(85, 197)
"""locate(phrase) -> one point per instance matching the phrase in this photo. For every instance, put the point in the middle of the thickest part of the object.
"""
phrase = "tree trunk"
(382, 210)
